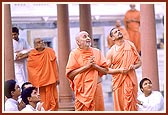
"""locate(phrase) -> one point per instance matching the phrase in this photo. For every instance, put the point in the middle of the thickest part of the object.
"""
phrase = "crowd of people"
(37, 90)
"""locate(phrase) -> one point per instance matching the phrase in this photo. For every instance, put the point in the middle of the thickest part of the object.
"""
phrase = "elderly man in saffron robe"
(132, 24)
(43, 73)
(84, 68)
(123, 59)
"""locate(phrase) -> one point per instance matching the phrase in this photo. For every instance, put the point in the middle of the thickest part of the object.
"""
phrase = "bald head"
(118, 23)
(81, 34)
(39, 44)
(83, 40)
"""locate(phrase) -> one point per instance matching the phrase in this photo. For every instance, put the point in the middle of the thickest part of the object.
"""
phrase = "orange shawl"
(42, 69)
(132, 15)
(84, 84)
(125, 86)
(133, 27)
(123, 58)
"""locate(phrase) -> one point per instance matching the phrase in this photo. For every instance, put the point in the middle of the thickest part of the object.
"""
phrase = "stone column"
(8, 45)
(149, 47)
(85, 18)
(65, 92)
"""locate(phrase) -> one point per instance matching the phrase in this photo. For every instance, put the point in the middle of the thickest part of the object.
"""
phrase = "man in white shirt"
(149, 100)
(39, 104)
(21, 49)
(30, 97)
(12, 92)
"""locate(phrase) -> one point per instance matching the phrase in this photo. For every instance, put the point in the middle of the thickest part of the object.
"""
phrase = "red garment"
(43, 73)
(85, 84)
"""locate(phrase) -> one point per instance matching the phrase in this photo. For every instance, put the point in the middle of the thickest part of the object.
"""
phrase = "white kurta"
(154, 102)
(11, 105)
(28, 108)
(20, 65)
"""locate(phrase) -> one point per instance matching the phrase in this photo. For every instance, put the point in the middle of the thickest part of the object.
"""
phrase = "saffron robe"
(132, 24)
(43, 74)
(124, 86)
(86, 85)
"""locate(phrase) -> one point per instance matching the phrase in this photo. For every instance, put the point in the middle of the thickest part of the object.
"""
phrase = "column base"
(66, 106)
(66, 103)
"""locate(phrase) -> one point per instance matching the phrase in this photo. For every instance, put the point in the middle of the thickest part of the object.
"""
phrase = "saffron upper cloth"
(42, 69)
(84, 84)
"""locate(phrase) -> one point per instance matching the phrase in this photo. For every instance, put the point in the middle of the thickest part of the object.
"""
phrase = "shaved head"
(80, 34)
(83, 40)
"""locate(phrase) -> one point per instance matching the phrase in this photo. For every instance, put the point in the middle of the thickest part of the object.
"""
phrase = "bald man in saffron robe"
(43, 73)
(84, 68)
(123, 59)
(110, 41)
(132, 24)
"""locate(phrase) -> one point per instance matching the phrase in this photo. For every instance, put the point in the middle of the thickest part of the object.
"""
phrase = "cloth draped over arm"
(40, 65)
(123, 59)
(84, 84)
